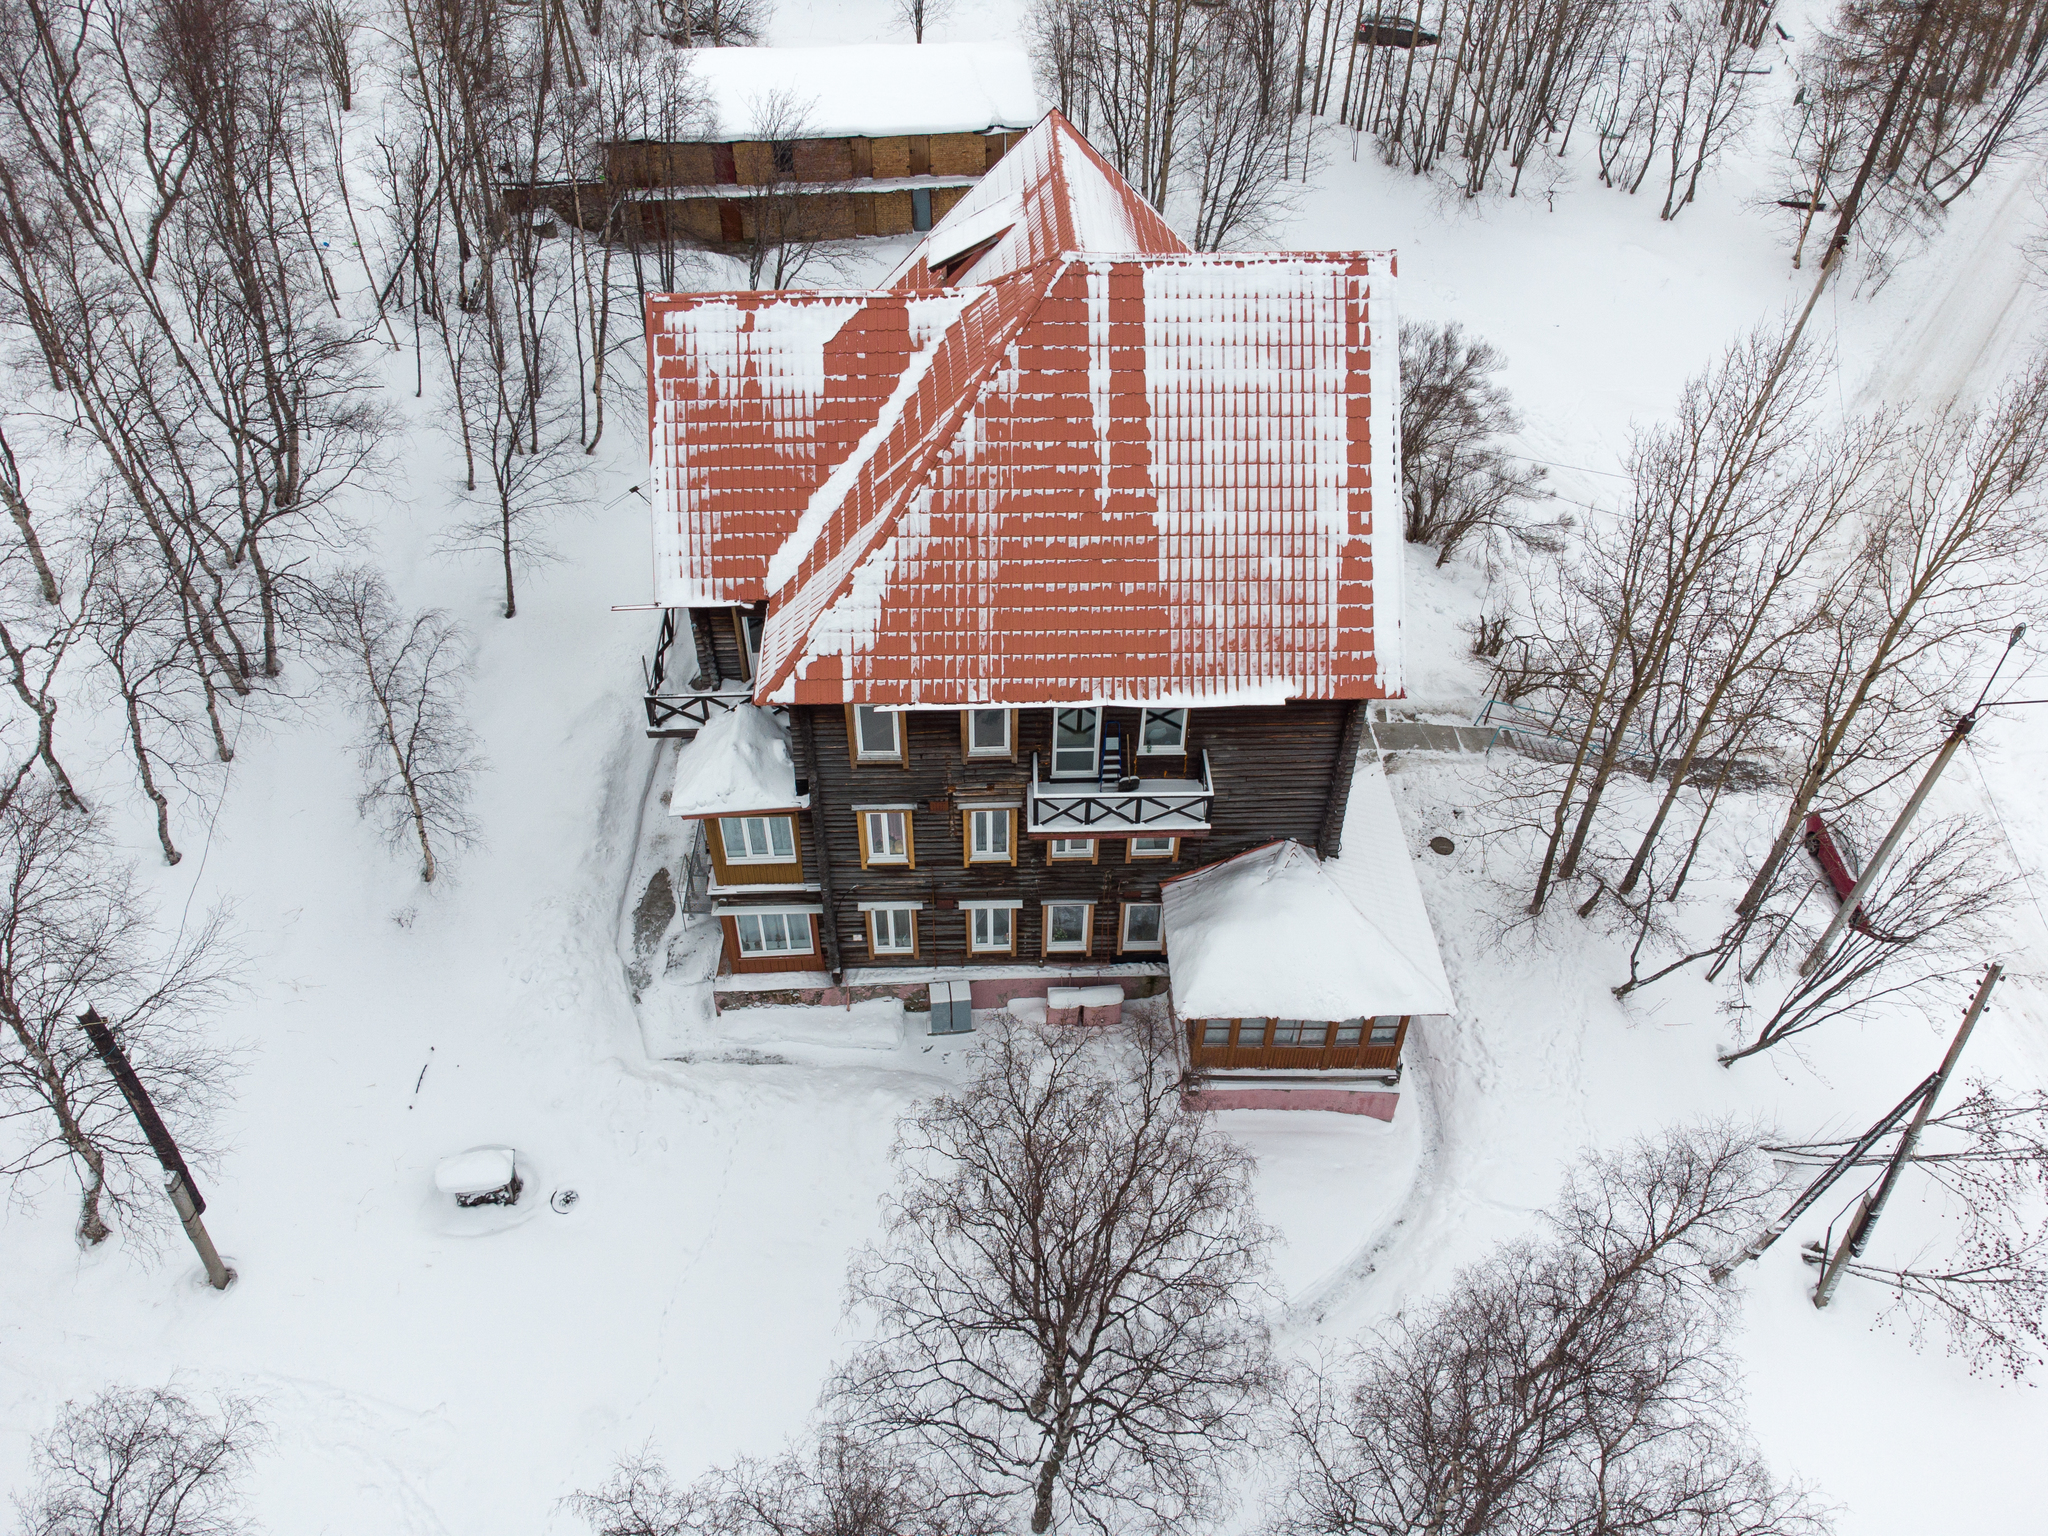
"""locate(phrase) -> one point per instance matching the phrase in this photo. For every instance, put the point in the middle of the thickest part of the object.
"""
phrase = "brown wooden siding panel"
(747, 965)
(890, 156)
(1272, 768)
(754, 874)
(956, 154)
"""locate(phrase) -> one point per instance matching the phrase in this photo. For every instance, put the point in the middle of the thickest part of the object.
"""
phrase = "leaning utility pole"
(1852, 903)
(1755, 1245)
(1872, 1206)
(178, 1181)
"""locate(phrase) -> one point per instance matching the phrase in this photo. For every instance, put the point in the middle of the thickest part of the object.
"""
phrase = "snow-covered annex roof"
(1279, 933)
(873, 90)
(738, 763)
(1063, 458)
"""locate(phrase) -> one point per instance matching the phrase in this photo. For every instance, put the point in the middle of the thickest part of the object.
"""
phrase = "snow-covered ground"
(422, 1375)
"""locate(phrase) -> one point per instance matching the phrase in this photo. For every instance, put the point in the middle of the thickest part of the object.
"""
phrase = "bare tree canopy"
(1907, 104)
(1064, 1296)
(1574, 1384)
(1457, 482)
(1197, 106)
(76, 934)
(136, 1462)
(404, 676)
(846, 1487)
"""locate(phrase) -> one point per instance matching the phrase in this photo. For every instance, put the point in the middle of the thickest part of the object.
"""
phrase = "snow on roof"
(739, 762)
(1276, 932)
(1081, 476)
(871, 89)
(1051, 195)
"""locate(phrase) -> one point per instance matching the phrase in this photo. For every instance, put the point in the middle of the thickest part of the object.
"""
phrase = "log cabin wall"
(1272, 768)
(717, 628)
(742, 162)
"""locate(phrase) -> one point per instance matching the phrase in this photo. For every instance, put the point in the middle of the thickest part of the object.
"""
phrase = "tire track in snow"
(1968, 329)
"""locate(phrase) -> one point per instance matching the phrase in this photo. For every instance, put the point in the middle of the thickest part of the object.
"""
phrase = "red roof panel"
(1084, 476)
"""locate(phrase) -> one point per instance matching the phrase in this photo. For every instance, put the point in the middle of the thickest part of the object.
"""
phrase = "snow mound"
(475, 1172)
(873, 1025)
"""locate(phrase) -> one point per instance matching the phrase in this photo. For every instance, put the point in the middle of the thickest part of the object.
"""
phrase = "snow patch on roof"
(1277, 932)
(930, 319)
(738, 763)
(872, 89)
(1377, 872)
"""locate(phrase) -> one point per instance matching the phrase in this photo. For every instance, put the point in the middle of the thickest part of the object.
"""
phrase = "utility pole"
(1755, 1246)
(1852, 903)
(178, 1181)
(1872, 1206)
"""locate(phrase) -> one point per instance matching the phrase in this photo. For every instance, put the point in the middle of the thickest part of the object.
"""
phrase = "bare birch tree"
(75, 933)
(137, 1461)
(1064, 1294)
(418, 754)
(1700, 487)
(1944, 564)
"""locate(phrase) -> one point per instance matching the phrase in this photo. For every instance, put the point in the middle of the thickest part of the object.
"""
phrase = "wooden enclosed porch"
(1297, 1045)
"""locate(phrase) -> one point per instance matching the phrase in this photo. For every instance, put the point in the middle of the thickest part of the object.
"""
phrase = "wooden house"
(874, 139)
(1022, 617)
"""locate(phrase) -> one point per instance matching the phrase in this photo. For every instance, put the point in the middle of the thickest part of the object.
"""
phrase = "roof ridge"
(776, 661)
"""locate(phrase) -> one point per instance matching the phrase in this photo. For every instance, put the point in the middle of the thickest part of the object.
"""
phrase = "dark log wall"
(712, 629)
(1273, 771)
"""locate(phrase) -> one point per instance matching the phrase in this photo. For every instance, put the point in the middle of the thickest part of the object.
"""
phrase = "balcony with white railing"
(1115, 808)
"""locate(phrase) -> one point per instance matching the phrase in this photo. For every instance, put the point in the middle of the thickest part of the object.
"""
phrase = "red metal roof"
(1130, 473)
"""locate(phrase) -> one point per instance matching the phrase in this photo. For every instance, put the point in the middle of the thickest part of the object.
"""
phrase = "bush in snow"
(134, 1462)
(1573, 1384)
(1065, 1293)
(1456, 482)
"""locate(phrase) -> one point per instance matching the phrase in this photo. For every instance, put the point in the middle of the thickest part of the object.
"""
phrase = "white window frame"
(876, 913)
(1133, 855)
(1390, 1022)
(1063, 848)
(980, 917)
(1145, 747)
(1094, 749)
(1124, 940)
(746, 855)
(1053, 947)
(977, 748)
(789, 918)
(869, 857)
(861, 751)
(1002, 818)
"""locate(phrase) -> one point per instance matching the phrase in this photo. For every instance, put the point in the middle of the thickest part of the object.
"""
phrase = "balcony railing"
(683, 712)
(1158, 807)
